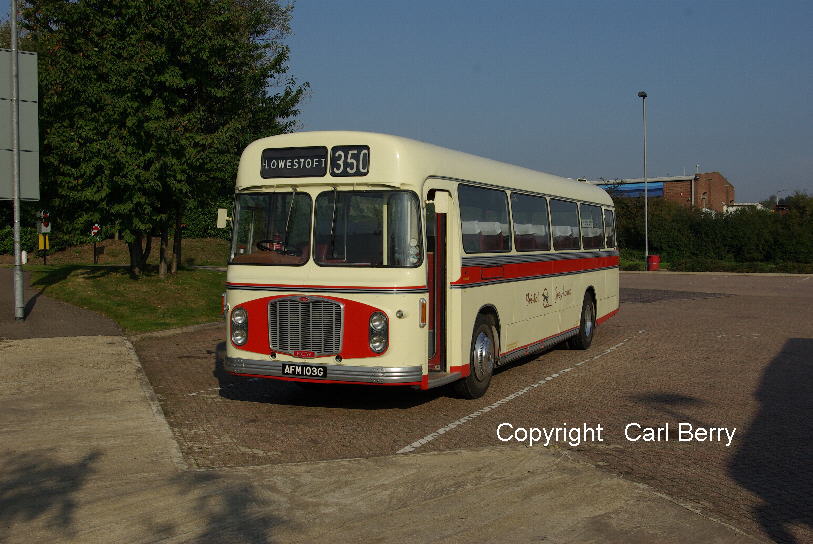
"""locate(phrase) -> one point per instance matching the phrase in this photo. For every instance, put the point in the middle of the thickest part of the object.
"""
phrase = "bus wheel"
(587, 325)
(482, 359)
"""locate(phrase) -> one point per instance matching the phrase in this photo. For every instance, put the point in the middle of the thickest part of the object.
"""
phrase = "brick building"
(711, 190)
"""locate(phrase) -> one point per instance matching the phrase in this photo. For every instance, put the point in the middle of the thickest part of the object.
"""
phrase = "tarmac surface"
(706, 351)
(88, 456)
(46, 317)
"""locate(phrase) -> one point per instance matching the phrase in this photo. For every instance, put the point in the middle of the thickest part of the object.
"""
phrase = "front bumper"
(402, 375)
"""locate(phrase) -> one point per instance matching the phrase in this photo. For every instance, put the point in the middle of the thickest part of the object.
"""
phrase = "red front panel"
(355, 342)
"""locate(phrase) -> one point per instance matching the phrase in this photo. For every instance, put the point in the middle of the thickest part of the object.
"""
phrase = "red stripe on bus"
(538, 341)
(464, 370)
(325, 287)
(601, 320)
(475, 274)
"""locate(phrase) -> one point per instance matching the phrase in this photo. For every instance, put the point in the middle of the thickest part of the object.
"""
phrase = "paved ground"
(85, 456)
(706, 350)
(46, 317)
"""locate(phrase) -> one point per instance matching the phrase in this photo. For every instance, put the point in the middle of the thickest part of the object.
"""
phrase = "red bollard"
(653, 263)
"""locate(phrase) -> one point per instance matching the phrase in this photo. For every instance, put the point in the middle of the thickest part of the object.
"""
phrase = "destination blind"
(294, 162)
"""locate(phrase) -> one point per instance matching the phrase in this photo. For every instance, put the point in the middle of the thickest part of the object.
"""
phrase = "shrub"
(692, 239)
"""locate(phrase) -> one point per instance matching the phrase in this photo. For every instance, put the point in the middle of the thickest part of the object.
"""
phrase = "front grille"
(305, 324)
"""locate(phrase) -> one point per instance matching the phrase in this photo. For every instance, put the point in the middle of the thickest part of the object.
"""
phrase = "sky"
(553, 85)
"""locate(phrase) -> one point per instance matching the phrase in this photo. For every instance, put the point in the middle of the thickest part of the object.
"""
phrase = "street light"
(19, 304)
(642, 95)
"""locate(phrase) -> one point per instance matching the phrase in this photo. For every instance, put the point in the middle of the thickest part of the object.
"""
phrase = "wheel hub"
(483, 356)
(588, 320)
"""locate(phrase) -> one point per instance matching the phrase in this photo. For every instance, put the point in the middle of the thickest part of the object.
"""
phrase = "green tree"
(799, 202)
(145, 106)
(5, 33)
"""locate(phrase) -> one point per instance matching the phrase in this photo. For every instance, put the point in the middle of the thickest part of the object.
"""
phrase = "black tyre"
(587, 324)
(482, 359)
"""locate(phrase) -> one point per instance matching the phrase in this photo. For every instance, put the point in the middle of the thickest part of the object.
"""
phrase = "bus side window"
(531, 229)
(592, 226)
(484, 219)
(609, 228)
(565, 224)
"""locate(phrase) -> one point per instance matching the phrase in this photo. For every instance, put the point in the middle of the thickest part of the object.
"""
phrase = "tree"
(799, 202)
(145, 106)
(5, 34)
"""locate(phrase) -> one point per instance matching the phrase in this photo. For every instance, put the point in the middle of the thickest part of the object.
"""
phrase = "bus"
(363, 258)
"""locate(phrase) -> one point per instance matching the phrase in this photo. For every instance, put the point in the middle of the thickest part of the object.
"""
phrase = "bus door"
(436, 211)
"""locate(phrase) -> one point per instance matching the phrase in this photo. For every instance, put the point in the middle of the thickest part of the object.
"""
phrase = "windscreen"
(367, 228)
(272, 229)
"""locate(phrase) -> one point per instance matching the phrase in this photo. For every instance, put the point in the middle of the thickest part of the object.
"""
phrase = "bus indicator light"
(422, 312)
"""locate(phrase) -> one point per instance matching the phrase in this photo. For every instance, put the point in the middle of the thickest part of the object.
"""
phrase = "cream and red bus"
(372, 259)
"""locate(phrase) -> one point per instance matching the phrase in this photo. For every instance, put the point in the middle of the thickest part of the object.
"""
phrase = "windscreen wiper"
(332, 248)
(288, 221)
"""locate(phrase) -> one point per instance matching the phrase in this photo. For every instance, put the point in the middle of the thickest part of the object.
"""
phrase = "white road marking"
(477, 413)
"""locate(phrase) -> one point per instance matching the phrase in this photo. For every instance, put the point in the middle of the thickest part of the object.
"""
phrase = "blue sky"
(552, 86)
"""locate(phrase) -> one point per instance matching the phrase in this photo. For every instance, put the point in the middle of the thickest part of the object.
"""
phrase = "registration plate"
(304, 371)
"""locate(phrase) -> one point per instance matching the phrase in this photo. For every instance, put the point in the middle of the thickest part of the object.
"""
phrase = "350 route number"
(349, 160)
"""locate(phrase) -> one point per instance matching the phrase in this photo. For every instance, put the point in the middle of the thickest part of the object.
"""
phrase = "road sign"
(94, 230)
(44, 225)
(28, 122)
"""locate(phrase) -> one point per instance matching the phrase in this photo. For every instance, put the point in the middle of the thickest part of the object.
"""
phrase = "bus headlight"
(378, 332)
(378, 343)
(378, 321)
(239, 326)
(239, 317)
(239, 336)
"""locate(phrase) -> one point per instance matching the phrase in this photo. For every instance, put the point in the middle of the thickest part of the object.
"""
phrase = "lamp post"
(642, 95)
(19, 307)
(777, 195)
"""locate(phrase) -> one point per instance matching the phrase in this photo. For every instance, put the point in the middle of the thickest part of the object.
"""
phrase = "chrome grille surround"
(306, 323)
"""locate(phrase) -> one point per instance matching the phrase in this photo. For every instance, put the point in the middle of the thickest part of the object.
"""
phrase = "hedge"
(680, 234)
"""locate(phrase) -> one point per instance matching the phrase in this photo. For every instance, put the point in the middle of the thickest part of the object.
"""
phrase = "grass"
(712, 265)
(634, 260)
(137, 305)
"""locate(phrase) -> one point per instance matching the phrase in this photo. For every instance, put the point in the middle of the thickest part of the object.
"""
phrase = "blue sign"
(633, 190)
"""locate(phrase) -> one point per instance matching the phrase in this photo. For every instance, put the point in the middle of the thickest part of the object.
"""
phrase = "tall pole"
(19, 307)
(643, 96)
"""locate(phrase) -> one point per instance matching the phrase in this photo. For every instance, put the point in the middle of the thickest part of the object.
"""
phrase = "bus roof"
(406, 163)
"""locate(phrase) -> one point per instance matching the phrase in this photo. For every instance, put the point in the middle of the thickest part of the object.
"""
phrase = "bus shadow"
(774, 457)
(316, 395)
